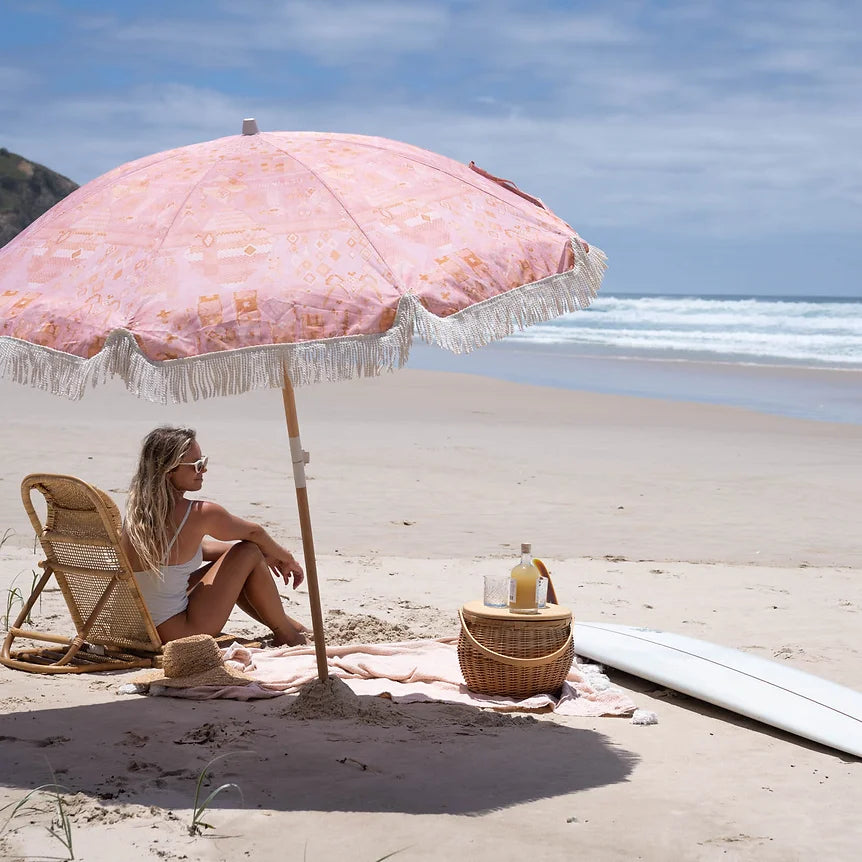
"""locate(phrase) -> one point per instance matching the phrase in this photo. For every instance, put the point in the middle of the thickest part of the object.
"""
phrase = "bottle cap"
(526, 548)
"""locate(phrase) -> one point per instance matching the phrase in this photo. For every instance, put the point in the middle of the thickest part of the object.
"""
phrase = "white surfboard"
(764, 690)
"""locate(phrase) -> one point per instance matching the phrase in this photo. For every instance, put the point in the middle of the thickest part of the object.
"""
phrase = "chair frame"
(86, 651)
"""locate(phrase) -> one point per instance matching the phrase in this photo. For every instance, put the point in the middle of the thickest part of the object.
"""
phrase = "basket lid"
(551, 612)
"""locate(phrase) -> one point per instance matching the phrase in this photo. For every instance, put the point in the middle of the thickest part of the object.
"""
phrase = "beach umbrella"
(275, 260)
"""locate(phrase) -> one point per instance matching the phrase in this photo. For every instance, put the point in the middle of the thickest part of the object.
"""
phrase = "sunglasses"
(200, 465)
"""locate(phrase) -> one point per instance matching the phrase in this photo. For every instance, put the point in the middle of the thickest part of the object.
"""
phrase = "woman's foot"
(289, 637)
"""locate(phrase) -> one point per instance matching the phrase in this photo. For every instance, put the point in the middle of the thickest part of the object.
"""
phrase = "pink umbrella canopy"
(219, 267)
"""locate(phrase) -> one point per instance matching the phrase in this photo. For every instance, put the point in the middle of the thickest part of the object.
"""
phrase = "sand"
(724, 524)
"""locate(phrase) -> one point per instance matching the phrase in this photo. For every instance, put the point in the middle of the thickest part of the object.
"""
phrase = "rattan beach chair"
(81, 541)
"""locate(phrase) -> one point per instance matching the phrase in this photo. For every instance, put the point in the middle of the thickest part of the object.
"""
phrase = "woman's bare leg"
(244, 604)
(214, 550)
(242, 570)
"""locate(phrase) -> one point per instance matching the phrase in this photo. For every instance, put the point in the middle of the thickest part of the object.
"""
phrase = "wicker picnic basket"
(501, 654)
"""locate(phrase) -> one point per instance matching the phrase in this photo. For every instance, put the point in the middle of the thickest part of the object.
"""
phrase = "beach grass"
(60, 824)
(198, 824)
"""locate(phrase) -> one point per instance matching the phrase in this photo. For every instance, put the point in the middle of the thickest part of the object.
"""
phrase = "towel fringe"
(232, 372)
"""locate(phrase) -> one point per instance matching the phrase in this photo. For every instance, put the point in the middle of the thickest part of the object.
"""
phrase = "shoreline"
(822, 394)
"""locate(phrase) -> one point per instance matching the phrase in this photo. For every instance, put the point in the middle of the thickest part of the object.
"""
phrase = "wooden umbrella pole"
(299, 457)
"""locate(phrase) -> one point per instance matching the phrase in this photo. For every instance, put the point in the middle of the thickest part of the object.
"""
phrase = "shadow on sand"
(701, 707)
(421, 758)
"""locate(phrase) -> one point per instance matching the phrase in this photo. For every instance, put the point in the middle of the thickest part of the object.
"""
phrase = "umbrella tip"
(249, 126)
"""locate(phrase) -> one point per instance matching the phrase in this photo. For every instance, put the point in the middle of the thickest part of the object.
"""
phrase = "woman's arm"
(222, 525)
(213, 549)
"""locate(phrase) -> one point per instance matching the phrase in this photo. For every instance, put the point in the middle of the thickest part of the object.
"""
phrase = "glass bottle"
(522, 583)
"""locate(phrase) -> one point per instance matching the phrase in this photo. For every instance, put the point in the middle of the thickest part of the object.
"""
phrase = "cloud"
(15, 83)
(732, 119)
(337, 33)
(739, 171)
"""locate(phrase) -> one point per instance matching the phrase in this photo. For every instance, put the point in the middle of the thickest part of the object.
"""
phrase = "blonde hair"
(148, 506)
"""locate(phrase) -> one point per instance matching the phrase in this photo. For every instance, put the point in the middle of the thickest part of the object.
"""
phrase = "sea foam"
(809, 330)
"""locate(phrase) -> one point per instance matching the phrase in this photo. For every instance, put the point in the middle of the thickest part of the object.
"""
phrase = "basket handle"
(510, 659)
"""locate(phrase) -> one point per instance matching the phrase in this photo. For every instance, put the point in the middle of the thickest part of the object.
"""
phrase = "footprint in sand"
(209, 733)
(741, 838)
(134, 739)
(52, 740)
(177, 773)
(797, 652)
(407, 604)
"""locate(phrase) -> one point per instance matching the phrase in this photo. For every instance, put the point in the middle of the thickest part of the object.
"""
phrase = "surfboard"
(767, 691)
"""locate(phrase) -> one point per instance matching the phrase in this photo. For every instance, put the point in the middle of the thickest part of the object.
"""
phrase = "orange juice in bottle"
(522, 584)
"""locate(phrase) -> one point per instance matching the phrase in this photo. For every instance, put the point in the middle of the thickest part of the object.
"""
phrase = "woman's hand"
(284, 565)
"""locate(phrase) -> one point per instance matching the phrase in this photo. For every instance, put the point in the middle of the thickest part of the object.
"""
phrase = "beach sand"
(724, 524)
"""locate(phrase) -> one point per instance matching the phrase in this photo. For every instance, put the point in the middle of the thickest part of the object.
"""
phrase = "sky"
(706, 147)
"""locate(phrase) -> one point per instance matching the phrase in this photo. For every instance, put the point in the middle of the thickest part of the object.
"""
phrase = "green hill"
(26, 191)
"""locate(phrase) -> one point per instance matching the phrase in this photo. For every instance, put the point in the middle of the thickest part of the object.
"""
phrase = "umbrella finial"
(249, 126)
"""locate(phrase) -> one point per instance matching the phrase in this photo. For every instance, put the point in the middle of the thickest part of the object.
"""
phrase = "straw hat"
(191, 661)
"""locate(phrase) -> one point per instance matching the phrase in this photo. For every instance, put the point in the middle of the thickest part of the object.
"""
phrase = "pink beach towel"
(409, 671)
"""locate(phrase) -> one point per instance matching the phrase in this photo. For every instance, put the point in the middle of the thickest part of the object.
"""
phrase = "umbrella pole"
(298, 457)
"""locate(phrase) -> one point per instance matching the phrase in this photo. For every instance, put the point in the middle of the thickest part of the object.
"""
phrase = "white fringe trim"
(232, 372)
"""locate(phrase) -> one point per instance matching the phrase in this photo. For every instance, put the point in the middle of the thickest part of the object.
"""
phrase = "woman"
(190, 583)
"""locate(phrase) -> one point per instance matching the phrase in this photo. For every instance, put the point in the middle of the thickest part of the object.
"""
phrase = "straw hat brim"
(221, 675)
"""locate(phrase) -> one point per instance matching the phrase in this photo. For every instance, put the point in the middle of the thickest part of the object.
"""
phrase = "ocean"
(796, 356)
(811, 331)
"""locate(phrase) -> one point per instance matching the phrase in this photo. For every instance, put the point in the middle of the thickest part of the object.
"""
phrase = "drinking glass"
(496, 591)
(542, 593)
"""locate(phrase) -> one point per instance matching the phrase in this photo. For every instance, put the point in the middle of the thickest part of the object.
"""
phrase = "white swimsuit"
(166, 594)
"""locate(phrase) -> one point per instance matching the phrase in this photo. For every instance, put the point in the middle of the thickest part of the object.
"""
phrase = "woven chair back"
(81, 541)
